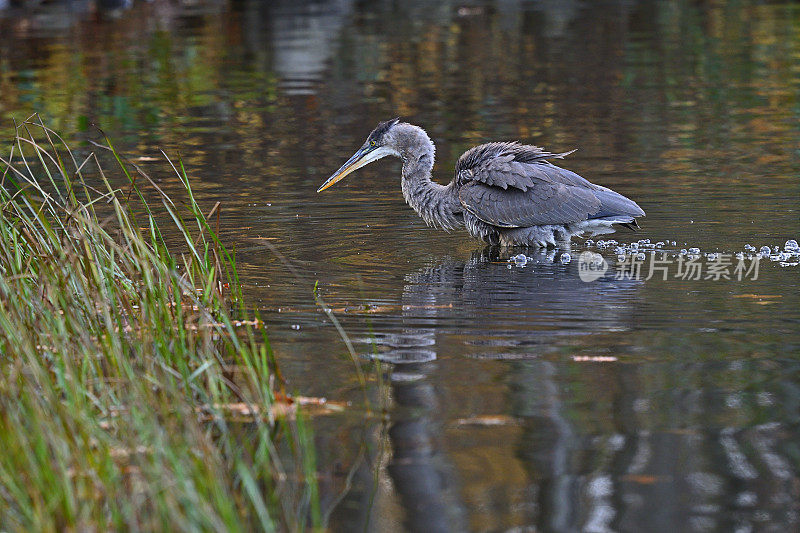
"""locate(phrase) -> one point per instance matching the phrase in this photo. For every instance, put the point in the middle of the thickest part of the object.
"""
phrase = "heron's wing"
(513, 185)
(541, 204)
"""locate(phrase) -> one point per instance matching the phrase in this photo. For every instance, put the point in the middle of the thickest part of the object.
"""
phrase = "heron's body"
(504, 193)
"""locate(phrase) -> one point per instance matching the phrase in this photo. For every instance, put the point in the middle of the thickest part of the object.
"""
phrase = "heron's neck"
(436, 204)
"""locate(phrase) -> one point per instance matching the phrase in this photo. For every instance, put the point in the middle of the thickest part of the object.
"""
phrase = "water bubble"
(711, 256)
(749, 248)
(621, 258)
(619, 250)
(684, 251)
(641, 256)
(565, 258)
(765, 250)
(791, 246)
(295, 326)
(659, 244)
(589, 242)
(694, 251)
(520, 260)
(634, 246)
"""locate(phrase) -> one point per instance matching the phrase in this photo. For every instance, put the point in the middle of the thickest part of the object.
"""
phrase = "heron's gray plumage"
(506, 164)
(437, 204)
(503, 192)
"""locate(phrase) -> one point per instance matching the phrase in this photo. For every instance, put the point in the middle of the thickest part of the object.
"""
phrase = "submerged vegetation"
(123, 361)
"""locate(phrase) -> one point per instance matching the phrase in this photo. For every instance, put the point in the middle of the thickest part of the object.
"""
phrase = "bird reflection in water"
(424, 478)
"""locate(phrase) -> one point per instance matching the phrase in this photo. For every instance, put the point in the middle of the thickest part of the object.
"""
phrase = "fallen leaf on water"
(770, 159)
(594, 358)
(644, 479)
(283, 407)
(444, 306)
(488, 420)
(358, 309)
(759, 299)
(682, 431)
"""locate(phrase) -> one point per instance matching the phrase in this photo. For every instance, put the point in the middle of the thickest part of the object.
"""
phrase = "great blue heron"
(505, 193)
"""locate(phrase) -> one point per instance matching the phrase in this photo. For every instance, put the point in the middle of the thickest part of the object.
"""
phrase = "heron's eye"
(372, 143)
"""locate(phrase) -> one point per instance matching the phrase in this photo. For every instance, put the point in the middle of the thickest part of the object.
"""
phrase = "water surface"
(526, 398)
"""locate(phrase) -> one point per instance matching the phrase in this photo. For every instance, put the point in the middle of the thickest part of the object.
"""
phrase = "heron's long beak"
(362, 157)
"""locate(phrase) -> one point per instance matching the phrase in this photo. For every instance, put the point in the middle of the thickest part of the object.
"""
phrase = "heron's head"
(380, 143)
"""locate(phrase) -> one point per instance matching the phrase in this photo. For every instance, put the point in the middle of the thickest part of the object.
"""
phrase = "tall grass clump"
(122, 364)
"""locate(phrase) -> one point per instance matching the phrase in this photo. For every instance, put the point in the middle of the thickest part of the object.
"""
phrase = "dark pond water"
(528, 398)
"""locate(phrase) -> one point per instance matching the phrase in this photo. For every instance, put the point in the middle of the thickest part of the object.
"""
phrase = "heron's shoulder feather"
(511, 164)
(480, 154)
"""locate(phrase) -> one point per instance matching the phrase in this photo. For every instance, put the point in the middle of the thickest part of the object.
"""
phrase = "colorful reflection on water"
(525, 397)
